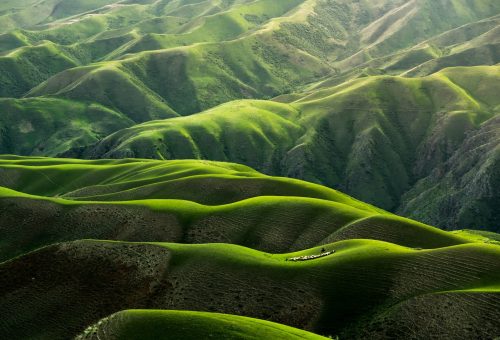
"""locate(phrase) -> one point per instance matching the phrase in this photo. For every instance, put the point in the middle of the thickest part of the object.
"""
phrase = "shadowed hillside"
(48, 126)
(84, 281)
(373, 138)
(187, 202)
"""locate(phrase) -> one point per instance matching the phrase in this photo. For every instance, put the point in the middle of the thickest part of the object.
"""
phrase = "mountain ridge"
(335, 130)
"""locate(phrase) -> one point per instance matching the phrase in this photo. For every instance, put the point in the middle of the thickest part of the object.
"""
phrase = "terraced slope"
(73, 285)
(150, 324)
(373, 138)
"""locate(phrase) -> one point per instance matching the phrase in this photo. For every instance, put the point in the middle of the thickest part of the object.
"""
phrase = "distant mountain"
(185, 57)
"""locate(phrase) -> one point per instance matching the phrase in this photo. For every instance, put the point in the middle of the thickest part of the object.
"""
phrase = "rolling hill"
(249, 169)
(351, 75)
(190, 56)
(212, 210)
(72, 285)
(48, 126)
(376, 138)
(148, 324)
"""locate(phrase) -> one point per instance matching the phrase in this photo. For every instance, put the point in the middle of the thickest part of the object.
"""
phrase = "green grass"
(187, 57)
(76, 179)
(400, 29)
(327, 295)
(49, 126)
(131, 97)
(279, 26)
(373, 137)
(151, 324)
(229, 132)
(89, 32)
(26, 67)
(368, 105)
(210, 74)
(187, 201)
(465, 185)
(223, 26)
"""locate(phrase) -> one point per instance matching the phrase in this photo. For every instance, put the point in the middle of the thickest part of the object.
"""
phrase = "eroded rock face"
(462, 193)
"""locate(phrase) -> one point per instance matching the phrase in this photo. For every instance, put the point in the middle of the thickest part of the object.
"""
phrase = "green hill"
(128, 178)
(208, 145)
(197, 55)
(383, 272)
(371, 105)
(43, 201)
(463, 187)
(68, 286)
(373, 138)
(49, 126)
(150, 324)
(28, 66)
(471, 44)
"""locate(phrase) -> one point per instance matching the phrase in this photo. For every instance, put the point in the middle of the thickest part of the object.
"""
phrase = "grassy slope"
(217, 23)
(464, 187)
(27, 13)
(323, 295)
(416, 21)
(210, 74)
(149, 324)
(232, 131)
(472, 44)
(387, 132)
(401, 282)
(73, 285)
(46, 126)
(79, 179)
(186, 201)
(185, 57)
(26, 67)
(372, 137)
(238, 50)
(269, 223)
(113, 87)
